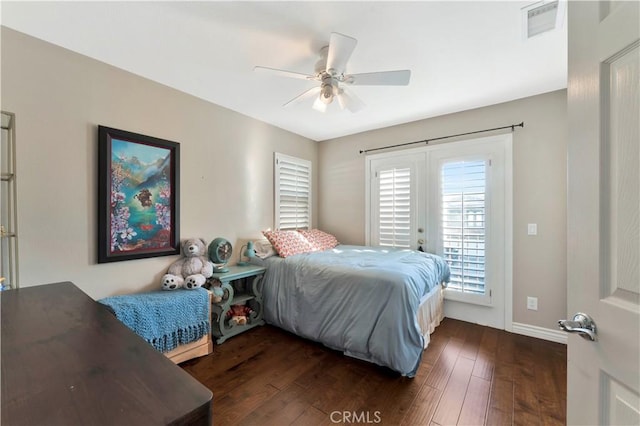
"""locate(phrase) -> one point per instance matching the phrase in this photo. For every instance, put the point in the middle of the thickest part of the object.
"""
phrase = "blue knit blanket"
(165, 319)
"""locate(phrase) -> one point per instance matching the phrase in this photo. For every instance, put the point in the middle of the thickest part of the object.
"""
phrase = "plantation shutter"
(394, 207)
(292, 192)
(463, 220)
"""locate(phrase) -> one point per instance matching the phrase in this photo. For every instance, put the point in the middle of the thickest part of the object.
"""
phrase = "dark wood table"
(67, 361)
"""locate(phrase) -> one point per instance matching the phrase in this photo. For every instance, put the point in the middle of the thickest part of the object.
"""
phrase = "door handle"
(582, 324)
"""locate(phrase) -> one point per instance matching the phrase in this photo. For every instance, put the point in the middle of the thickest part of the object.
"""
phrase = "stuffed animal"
(217, 294)
(238, 314)
(190, 271)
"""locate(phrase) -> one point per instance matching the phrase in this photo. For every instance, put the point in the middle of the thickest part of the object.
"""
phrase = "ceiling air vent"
(541, 17)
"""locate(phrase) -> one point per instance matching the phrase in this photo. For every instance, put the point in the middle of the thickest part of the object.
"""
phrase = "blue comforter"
(360, 300)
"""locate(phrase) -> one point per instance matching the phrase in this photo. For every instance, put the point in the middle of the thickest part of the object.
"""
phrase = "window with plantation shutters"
(394, 207)
(292, 192)
(463, 229)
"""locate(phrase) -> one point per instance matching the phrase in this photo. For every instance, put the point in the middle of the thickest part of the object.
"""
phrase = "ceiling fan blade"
(382, 78)
(284, 73)
(340, 49)
(314, 91)
(349, 101)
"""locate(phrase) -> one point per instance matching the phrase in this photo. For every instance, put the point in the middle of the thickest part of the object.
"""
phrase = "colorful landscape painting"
(140, 197)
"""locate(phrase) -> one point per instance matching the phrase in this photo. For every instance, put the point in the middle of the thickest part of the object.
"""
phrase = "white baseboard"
(540, 333)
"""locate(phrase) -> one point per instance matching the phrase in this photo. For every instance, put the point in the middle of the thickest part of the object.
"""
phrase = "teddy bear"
(190, 271)
(238, 314)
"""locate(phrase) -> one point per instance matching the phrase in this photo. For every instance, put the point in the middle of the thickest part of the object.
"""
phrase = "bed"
(374, 304)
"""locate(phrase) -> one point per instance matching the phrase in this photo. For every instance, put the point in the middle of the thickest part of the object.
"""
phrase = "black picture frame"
(138, 196)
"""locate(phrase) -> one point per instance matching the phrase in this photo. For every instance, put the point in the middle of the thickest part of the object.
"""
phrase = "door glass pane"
(463, 218)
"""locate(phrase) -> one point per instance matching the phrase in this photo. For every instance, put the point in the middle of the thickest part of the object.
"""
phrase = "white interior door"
(604, 211)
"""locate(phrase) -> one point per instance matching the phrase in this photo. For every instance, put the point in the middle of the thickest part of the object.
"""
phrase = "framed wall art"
(138, 196)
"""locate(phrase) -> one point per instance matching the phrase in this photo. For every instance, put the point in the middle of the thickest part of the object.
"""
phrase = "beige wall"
(60, 98)
(539, 191)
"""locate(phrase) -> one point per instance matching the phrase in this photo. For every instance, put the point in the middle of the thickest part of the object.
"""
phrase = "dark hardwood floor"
(469, 375)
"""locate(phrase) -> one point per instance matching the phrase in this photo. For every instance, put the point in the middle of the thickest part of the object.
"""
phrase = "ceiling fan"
(330, 72)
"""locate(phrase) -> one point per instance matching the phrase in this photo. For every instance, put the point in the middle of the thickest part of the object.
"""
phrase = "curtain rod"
(512, 127)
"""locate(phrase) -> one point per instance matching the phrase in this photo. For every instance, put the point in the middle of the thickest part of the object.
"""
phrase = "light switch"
(532, 229)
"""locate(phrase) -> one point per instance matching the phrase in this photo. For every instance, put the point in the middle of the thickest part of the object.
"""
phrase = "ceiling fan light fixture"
(319, 105)
(349, 101)
(326, 93)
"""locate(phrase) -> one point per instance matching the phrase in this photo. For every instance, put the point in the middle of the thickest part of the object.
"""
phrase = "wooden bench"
(201, 347)
(183, 352)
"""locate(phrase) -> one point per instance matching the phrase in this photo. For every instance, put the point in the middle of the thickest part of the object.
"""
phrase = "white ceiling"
(462, 55)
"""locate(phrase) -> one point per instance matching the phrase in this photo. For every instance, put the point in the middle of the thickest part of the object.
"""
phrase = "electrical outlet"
(532, 303)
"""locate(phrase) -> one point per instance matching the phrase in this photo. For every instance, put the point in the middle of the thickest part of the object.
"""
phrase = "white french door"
(470, 225)
(395, 201)
(454, 200)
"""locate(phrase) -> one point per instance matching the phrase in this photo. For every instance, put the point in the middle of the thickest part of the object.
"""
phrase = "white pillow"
(263, 248)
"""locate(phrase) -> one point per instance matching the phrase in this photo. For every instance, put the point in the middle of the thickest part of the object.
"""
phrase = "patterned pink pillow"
(319, 240)
(288, 243)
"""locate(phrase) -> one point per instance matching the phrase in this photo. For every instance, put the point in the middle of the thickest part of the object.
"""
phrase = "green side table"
(242, 285)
